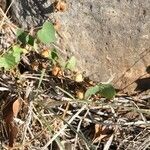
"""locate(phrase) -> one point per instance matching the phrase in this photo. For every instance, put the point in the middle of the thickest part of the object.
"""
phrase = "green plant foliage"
(54, 54)
(24, 37)
(16, 53)
(30, 40)
(91, 91)
(105, 90)
(11, 59)
(71, 63)
(47, 33)
(7, 61)
(21, 36)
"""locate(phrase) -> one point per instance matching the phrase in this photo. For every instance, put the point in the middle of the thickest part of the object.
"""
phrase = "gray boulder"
(109, 38)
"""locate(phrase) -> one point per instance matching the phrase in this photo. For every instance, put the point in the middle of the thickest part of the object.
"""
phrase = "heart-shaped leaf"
(24, 37)
(91, 91)
(16, 53)
(21, 35)
(71, 63)
(11, 59)
(47, 33)
(7, 61)
(107, 90)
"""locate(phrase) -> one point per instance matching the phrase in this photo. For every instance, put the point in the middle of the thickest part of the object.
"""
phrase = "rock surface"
(3, 4)
(109, 38)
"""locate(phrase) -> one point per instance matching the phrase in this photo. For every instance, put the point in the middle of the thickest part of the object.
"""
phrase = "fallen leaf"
(45, 53)
(13, 130)
(61, 5)
(56, 70)
(79, 78)
(101, 132)
(98, 130)
(35, 66)
(10, 111)
(44, 65)
(57, 25)
(16, 107)
(80, 94)
(8, 119)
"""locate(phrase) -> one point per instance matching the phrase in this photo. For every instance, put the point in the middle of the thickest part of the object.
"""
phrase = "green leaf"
(47, 33)
(11, 59)
(30, 40)
(16, 53)
(91, 91)
(71, 63)
(107, 90)
(24, 37)
(54, 54)
(7, 61)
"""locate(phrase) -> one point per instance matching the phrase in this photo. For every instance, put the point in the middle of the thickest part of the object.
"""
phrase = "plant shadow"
(36, 10)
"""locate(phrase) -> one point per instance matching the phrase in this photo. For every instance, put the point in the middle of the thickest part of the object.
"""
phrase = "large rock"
(110, 38)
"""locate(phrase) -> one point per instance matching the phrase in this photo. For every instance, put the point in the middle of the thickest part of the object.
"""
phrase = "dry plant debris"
(60, 5)
(43, 105)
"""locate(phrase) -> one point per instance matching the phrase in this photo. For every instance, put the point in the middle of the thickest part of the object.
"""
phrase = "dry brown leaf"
(60, 73)
(45, 53)
(35, 66)
(78, 77)
(99, 138)
(80, 94)
(57, 25)
(44, 65)
(56, 70)
(91, 83)
(61, 5)
(16, 107)
(13, 130)
(9, 110)
(98, 130)
(101, 132)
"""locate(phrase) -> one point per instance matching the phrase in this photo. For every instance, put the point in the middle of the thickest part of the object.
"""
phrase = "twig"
(29, 117)
(4, 14)
(63, 128)
(66, 92)
(137, 123)
(142, 116)
(78, 128)
(107, 146)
